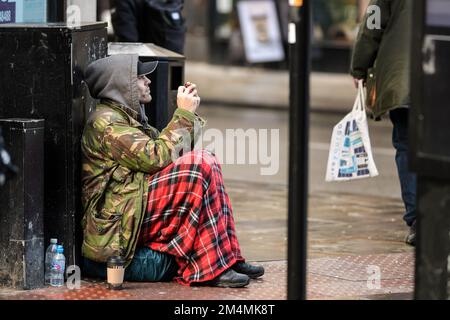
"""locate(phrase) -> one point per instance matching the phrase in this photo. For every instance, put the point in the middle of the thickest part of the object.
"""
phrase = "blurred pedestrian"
(150, 21)
(381, 57)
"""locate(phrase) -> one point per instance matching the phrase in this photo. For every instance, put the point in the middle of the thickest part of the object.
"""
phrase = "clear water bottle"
(58, 268)
(51, 251)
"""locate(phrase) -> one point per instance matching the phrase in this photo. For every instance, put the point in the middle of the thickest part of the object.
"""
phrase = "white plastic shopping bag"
(350, 154)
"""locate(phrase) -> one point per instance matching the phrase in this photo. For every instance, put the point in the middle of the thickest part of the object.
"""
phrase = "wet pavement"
(355, 230)
(350, 239)
(221, 118)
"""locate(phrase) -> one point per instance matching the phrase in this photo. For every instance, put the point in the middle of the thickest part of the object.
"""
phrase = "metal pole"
(211, 23)
(299, 51)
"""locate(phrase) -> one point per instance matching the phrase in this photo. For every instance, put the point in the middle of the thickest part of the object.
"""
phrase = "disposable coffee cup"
(115, 272)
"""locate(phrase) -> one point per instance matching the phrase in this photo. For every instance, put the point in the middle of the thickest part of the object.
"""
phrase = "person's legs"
(189, 215)
(408, 180)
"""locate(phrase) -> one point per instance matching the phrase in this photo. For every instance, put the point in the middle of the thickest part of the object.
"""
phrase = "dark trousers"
(408, 180)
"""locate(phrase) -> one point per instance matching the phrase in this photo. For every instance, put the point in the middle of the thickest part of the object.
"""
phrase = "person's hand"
(356, 82)
(188, 98)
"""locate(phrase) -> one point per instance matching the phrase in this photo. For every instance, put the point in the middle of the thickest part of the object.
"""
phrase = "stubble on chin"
(146, 99)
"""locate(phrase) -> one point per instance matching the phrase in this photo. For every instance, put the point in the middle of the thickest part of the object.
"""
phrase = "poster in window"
(7, 12)
(260, 31)
(23, 11)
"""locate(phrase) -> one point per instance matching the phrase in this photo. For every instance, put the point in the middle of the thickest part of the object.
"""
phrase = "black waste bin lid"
(21, 123)
(144, 50)
(53, 26)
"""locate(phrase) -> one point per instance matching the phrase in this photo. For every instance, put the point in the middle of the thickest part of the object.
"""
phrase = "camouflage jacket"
(119, 155)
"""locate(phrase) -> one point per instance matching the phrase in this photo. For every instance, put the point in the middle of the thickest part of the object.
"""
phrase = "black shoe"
(228, 279)
(411, 236)
(252, 271)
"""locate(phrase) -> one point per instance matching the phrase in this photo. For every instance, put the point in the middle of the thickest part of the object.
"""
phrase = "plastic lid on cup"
(115, 261)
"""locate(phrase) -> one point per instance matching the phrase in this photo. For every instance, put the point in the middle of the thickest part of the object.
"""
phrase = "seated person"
(138, 192)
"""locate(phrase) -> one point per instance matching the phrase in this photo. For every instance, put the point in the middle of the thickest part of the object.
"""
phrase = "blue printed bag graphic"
(350, 154)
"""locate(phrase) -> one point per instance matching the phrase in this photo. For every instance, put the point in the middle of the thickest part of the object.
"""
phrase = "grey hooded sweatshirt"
(115, 78)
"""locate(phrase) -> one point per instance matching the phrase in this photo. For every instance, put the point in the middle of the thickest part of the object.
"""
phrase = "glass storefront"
(43, 11)
(335, 26)
(23, 11)
(335, 22)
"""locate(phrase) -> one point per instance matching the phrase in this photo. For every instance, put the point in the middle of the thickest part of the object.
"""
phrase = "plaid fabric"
(189, 216)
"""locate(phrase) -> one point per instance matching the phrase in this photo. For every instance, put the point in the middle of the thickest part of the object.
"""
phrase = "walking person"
(381, 57)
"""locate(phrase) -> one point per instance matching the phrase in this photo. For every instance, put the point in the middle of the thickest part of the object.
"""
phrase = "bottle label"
(57, 267)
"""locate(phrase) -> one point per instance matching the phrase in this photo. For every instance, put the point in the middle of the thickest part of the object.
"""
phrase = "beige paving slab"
(260, 87)
(347, 234)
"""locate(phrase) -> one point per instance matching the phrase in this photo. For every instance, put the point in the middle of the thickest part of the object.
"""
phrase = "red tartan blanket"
(189, 215)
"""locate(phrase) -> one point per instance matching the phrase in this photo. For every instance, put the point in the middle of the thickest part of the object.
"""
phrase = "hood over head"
(115, 78)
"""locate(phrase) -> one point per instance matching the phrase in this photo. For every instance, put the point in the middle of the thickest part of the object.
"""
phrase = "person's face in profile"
(144, 89)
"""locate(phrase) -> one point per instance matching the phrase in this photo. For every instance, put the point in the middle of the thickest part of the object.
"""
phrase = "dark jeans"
(147, 266)
(408, 180)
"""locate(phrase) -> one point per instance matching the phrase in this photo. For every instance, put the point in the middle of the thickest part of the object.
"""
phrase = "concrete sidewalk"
(351, 240)
(259, 87)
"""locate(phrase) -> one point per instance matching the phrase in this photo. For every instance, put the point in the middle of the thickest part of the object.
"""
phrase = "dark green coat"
(382, 56)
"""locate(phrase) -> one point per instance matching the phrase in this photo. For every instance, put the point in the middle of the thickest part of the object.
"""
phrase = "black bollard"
(22, 206)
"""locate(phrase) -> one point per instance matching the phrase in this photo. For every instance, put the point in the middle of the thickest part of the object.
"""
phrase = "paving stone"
(347, 234)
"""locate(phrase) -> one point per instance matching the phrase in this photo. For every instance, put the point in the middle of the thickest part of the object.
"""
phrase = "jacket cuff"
(193, 117)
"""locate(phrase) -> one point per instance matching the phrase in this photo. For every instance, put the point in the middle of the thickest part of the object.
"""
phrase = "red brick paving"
(341, 277)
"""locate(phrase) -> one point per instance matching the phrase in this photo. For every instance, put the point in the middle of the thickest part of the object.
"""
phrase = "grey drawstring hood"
(115, 78)
(143, 119)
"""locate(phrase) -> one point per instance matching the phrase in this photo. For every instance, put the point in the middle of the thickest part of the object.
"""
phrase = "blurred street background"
(350, 222)
(351, 225)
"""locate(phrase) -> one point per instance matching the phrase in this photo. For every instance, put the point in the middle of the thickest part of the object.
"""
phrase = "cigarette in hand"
(186, 85)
